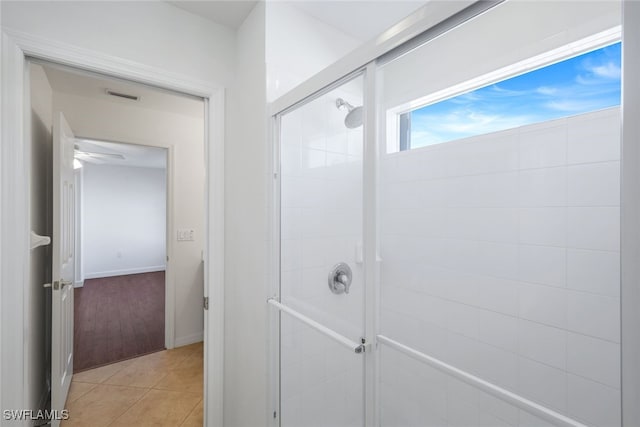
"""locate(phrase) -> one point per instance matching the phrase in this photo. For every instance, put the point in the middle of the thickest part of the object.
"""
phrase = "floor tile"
(196, 417)
(148, 370)
(159, 408)
(185, 377)
(78, 390)
(101, 405)
(99, 375)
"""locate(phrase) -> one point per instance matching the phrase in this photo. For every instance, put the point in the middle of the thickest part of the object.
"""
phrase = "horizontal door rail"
(352, 345)
(505, 395)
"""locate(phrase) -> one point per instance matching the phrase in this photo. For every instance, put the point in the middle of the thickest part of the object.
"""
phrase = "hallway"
(159, 389)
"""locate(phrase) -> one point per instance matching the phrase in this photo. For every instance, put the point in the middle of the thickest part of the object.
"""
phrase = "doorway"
(128, 250)
(121, 240)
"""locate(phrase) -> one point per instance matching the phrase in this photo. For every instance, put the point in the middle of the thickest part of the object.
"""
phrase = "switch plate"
(186, 234)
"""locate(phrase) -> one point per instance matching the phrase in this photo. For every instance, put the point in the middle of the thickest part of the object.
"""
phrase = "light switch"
(186, 234)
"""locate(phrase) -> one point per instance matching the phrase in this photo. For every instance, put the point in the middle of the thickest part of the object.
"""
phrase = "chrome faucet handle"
(343, 279)
(340, 278)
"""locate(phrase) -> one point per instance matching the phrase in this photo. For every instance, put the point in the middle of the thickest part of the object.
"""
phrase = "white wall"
(500, 255)
(247, 189)
(124, 220)
(148, 32)
(246, 232)
(39, 299)
(298, 46)
(184, 135)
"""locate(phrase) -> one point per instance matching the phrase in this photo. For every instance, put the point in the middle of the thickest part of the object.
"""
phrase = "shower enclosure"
(448, 223)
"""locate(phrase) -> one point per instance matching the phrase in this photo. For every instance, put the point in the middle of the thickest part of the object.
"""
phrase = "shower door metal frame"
(369, 170)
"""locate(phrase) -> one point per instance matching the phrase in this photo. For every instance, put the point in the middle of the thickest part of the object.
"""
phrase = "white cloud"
(597, 73)
(607, 71)
(547, 90)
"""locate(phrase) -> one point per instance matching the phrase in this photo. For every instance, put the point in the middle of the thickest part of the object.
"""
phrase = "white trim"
(14, 228)
(124, 272)
(630, 216)
(87, 59)
(169, 277)
(14, 183)
(79, 229)
(214, 260)
(527, 405)
(189, 339)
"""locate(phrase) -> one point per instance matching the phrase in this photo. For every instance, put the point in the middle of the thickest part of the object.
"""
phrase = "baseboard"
(101, 274)
(79, 284)
(189, 339)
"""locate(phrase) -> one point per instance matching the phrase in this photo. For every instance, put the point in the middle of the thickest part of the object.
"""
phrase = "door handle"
(61, 284)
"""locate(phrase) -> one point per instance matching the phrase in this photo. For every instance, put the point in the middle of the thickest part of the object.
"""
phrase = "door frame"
(14, 193)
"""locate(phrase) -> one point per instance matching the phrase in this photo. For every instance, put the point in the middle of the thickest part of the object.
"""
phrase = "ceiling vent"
(122, 95)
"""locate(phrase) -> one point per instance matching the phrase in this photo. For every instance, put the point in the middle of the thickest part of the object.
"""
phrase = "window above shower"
(574, 79)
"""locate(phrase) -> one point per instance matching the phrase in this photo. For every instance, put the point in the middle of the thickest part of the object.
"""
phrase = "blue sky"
(587, 82)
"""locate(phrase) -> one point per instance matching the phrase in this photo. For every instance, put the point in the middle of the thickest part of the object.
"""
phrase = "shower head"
(353, 119)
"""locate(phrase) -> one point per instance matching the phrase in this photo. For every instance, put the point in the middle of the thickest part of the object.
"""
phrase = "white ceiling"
(134, 155)
(361, 19)
(80, 83)
(230, 13)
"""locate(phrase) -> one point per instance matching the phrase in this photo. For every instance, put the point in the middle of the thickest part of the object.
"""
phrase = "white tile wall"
(594, 271)
(594, 184)
(504, 250)
(594, 358)
(544, 344)
(593, 403)
(545, 265)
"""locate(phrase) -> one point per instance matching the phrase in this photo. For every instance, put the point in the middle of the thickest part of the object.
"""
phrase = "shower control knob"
(340, 279)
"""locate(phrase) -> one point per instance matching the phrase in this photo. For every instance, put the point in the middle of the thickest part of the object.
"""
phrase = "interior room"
(120, 252)
(338, 213)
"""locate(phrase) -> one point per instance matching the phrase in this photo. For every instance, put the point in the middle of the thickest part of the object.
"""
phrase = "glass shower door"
(499, 222)
(321, 299)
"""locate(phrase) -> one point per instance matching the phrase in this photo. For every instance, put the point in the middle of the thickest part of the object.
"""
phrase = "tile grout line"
(129, 407)
(191, 412)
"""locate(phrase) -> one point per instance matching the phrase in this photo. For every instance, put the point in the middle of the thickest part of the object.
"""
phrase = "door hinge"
(275, 414)
(206, 303)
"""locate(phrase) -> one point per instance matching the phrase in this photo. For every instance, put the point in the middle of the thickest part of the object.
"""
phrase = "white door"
(63, 266)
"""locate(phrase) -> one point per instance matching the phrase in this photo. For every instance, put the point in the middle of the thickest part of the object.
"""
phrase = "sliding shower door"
(499, 221)
(321, 296)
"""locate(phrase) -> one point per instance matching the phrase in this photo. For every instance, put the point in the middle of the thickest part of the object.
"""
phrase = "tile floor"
(159, 389)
